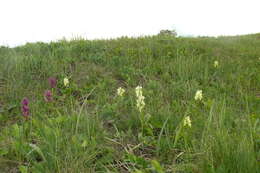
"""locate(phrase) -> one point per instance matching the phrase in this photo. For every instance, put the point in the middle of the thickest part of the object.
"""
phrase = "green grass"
(88, 128)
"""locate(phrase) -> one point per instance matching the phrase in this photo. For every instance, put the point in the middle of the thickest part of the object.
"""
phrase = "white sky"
(24, 21)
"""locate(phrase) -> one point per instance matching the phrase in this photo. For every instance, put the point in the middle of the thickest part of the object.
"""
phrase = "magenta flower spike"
(25, 101)
(25, 107)
(48, 96)
(25, 110)
(52, 82)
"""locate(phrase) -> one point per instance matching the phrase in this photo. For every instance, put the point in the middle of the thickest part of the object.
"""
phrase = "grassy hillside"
(86, 126)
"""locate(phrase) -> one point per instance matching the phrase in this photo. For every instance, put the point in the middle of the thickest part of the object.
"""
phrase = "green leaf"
(10, 107)
(156, 165)
(60, 119)
(2, 110)
(3, 151)
(84, 144)
(23, 169)
(38, 150)
(16, 130)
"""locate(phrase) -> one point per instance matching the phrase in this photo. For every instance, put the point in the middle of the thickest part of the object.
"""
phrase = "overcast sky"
(24, 21)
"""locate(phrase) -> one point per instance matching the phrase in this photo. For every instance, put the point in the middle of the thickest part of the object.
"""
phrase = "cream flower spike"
(120, 91)
(198, 95)
(66, 81)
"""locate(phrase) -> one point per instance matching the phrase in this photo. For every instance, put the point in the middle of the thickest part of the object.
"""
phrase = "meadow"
(159, 104)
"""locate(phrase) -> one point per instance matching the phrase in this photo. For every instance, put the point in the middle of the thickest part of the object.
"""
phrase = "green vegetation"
(87, 127)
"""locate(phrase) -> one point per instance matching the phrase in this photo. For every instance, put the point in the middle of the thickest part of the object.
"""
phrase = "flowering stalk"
(140, 98)
(52, 82)
(48, 96)
(198, 95)
(120, 91)
(187, 121)
(216, 64)
(140, 105)
(66, 81)
(180, 132)
(25, 107)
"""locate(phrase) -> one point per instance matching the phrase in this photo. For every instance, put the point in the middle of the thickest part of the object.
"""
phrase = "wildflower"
(140, 103)
(25, 110)
(138, 91)
(52, 82)
(187, 121)
(140, 98)
(25, 101)
(216, 64)
(198, 95)
(120, 91)
(48, 96)
(66, 81)
(25, 107)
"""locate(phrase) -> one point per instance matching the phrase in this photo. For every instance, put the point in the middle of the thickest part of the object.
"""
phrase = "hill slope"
(87, 127)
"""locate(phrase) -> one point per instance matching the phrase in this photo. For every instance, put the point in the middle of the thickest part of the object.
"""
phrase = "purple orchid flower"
(52, 82)
(25, 101)
(48, 96)
(25, 107)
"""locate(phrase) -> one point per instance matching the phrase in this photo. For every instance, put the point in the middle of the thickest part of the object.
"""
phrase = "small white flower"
(66, 81)
(216, 64)
(120, 91)
(187, 121)
(198, 95)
